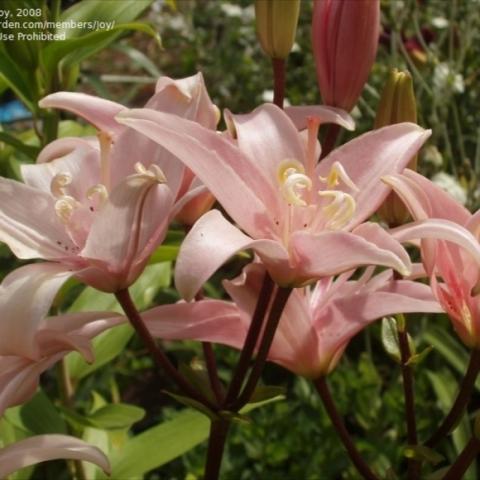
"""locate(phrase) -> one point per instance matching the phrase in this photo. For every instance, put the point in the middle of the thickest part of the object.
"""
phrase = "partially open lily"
(42, 448)
(101, 207)
(317, 323)
(301, 218)
(450, 249)
(31, 342)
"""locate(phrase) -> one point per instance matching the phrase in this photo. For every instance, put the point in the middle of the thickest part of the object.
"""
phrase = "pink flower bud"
(345, 38)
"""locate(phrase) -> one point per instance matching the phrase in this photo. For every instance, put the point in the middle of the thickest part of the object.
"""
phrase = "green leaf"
(198, 378)
(420, 452)
(38, 416)
(18, 80)
(419, 357)
(75, 50)
(121, 11)
(438, 474)
(390, 338)
(28, 150)
(116, 416)
(266, 392)
(190, 402)
(159, 445)
(450, 348)
(140, 59)
(164, 253)
(111, 343)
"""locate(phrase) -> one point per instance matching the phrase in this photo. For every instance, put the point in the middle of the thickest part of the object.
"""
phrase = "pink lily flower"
(302, 219)
(92, 206)
(450, 249)
(42, 448)
(344, 38)
(316, 325)
(31, 342)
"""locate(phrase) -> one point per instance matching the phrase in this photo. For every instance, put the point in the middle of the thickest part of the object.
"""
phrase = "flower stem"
(360, 464)
(330, 139)
(278, 304)
(253, 333)
(216, 445)
(160, 358)
(278, 65)
(464, 460)
(463, 397)
(409, 394)
(212, 370)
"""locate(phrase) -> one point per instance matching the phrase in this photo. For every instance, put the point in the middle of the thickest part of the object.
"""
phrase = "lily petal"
(41, 448)
(130, 226)
(331, 253)
(267, 136)
(369, 157)
(95, 110)
(28, 224)
(424, 199)
(231, 176)
(439, 229)
(299, 115)
(209, 244)
(207, 320)
(39, 284)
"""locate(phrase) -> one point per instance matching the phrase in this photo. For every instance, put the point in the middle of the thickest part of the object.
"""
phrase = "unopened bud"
(277, 25)
(344, 39)
(397, 104)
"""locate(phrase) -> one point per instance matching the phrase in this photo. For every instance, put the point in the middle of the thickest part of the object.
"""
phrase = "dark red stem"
(216, 445)
(160, 358)
(360, 464)
(461, 402)
(330, 139)
(278, 304)
(278, 65)
(212, 370)
(251, 340)
(464, 460)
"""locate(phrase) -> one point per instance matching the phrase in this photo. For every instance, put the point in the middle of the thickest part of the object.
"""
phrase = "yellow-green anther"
(276, 22)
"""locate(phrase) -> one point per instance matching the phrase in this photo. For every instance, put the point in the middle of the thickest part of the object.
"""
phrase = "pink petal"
(299, 115)
(19, 378)
(64, 146)
(368, 158)
(82, 163)
(439, 230)
(330, 253)
(28, 223)
(232, 177)
(207, 320)
(95, 110)
(26, 297)
(129, 227)
(188, 98)
(267, 136)
(424, 199)
(209, 244)
(41, 448)
(374, 233)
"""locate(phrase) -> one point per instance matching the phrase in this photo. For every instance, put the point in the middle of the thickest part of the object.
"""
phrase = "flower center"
(295, 186)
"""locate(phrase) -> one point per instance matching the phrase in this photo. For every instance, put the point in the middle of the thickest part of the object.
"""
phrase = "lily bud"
(397, 104)
(345, 38)
(276, 22)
